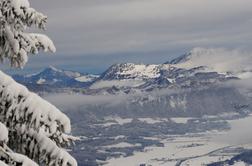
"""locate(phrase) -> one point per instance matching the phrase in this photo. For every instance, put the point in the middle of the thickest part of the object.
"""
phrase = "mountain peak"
(55, 77)
(194, 53)
(53, 69)
(131, 71)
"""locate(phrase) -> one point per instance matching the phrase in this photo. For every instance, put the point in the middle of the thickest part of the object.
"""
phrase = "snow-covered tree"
(32, 131)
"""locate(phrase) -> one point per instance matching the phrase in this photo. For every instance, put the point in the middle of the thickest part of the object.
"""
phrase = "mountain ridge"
(181, 72)
(54, 77)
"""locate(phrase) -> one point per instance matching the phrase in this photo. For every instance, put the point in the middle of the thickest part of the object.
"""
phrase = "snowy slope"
(127, 75)
(149, 77)
(131, 71)
(56, 77)
(232, 62)
(195, 68)
(86, 78)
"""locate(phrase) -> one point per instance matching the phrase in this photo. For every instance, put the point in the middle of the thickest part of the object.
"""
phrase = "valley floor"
(113, 134)
(192, 149)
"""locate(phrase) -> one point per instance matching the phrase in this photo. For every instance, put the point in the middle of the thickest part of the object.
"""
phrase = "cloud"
(240, 132)
(221, 60)
(243, 85)
(68, 102)
(103, 27)
(148, 31)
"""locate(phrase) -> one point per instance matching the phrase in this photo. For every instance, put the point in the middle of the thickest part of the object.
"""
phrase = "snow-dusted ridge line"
(52, 76)
(223, 61)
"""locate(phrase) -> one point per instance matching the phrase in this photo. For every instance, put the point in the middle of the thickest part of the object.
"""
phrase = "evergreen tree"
(32, 131)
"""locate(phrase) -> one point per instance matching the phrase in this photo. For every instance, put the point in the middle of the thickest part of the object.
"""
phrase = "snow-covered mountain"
(196, 69)
(148, 77)
(194, 53)
(131, 71)
(54, 77)
(126, 98)
(194, 86)
(230, 62)
(126, 75)
(200, 66)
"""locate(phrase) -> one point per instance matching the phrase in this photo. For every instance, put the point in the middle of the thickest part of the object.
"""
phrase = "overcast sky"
(90, 35)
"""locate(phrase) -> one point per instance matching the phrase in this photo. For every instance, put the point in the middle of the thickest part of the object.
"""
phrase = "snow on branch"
(33, 123)
(42, 41)
(3, 164)
(29, 125)
(18, 104)
(13, 159)
(15, 44)
(48, 149)
(7, 155)
(4, 133)
(20, 14)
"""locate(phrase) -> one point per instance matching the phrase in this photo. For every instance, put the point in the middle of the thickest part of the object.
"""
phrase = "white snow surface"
(152, 120)
(131, 70)
(119, 120)
(175, 148)
(43, 40)
(3, 164)
(115, 120)
(41, 110)
(22, 159)
(219, 60)
(198, 149)
(41, 81)
(86, 78)
(19, 43)
(240, 163)
(3, 133)
(202, 161)
(121, 145)
(17, 4)
(46, 144)
(149, 71)
(181, 120)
